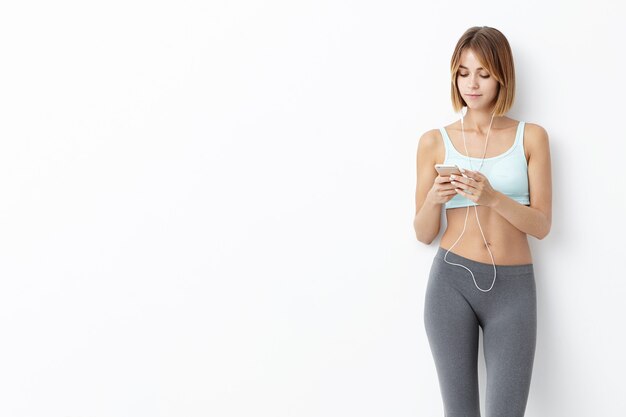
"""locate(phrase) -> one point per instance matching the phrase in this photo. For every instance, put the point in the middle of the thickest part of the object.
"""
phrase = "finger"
(471, 182)
(464, 187)
(469, 172)
(475, 175)
(446, 193)
(444, 186)
(463, 183)
(458, 178)
(457, 184)
(479, 176)
(464, 194)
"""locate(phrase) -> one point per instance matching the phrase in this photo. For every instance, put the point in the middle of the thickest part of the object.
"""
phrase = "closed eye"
(482, 76)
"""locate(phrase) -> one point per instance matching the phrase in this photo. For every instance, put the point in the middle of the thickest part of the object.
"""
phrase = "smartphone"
(446, 170)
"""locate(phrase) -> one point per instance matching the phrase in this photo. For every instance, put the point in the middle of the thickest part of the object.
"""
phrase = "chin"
(476, 106)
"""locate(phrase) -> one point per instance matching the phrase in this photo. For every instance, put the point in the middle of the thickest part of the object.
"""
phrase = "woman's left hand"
(482, 193)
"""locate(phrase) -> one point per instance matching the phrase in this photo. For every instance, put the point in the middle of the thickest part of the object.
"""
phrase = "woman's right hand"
(442, 190)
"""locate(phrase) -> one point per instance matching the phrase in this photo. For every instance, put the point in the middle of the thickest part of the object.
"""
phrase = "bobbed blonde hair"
(494, 52)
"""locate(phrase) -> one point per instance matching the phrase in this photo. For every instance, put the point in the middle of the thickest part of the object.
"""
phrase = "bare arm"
(535, 220)
(527, 219)
(429, 194)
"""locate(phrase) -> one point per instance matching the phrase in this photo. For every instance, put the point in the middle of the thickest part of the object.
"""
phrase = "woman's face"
(477, 87)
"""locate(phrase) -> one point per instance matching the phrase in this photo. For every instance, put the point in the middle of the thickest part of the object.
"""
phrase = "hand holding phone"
(446, 170)
(442, 190)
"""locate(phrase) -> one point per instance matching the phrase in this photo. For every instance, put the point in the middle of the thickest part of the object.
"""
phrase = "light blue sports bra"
(507, 172)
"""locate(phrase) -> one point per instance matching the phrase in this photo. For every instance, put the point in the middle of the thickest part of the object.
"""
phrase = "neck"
(479, 120)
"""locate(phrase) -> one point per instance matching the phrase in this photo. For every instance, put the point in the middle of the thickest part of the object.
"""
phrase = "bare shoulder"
(431, 145)
(430, 138)
(535, 134)
(535, 140)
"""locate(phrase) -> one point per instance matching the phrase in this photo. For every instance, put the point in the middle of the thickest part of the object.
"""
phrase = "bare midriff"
(508, 245)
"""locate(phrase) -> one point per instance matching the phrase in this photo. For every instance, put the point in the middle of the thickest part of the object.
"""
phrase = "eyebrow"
(479, 68)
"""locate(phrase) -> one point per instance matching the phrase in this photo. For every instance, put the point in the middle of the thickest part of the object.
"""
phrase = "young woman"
(482, 274)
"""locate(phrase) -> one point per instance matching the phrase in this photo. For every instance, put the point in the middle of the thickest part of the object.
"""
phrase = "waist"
(507, 244)
(483, 267)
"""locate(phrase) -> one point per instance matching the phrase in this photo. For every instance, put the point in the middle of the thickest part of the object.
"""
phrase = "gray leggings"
(453, 310)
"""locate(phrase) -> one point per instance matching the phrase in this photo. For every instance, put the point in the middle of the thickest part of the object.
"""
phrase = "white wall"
(206, 208)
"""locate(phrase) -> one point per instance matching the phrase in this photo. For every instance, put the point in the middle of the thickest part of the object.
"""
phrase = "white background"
(206, 207)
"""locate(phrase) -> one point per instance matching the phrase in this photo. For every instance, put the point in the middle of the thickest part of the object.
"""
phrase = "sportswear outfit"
(454, 309)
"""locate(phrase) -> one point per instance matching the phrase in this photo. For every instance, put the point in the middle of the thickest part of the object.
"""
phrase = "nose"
(473, 81)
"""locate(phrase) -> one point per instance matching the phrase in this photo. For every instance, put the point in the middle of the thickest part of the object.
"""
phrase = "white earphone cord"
(475, 211)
